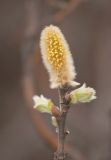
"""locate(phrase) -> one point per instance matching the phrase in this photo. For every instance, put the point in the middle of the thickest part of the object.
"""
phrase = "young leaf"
(83, 94)
(43, 104)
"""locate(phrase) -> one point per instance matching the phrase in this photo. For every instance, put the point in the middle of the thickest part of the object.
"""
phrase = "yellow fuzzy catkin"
(57, 57)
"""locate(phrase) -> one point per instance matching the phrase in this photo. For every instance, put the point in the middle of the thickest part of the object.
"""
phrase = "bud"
(83, 94)
(54, 122)
(57, 57)
(55, 111)
(43, 104)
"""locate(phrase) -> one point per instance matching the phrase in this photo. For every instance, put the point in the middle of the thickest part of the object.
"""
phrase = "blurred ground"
(88, 31)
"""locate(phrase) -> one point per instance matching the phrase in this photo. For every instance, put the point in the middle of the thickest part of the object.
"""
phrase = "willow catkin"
(57, 57)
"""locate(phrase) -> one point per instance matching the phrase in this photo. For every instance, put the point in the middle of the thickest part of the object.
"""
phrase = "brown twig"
(64, 107)
(68, 9)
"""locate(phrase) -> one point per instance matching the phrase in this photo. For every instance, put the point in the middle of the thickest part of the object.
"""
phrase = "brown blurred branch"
(37, 120)
(28, 50)
(68, 8)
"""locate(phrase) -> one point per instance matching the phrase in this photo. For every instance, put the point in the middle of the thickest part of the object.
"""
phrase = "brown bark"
(64, 107)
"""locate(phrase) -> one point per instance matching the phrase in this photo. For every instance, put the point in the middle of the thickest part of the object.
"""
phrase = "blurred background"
(25, 134)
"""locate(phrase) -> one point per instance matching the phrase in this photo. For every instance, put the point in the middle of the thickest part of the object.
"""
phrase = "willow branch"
(64, 107)
(28, 50)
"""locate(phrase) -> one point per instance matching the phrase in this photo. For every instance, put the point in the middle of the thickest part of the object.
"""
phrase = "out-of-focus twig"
(28, 50)
(68, 7)
(37, 120)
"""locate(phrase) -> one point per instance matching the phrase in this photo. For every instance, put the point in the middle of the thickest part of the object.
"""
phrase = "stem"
(61, 136)
(60, 154)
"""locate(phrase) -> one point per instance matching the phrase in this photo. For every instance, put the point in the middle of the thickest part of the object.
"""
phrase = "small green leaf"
(43, 104)
(43, 109)
(83, 94)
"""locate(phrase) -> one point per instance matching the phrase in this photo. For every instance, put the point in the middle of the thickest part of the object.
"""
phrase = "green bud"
(83, 94)
(43, 104)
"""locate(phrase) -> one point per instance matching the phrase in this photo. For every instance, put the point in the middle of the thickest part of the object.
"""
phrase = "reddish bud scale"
(55, 111)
